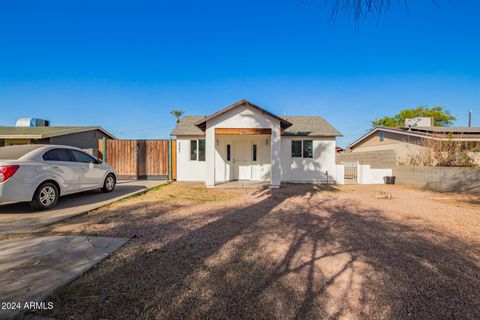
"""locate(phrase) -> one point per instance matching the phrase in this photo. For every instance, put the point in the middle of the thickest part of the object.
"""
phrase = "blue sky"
(124, 64)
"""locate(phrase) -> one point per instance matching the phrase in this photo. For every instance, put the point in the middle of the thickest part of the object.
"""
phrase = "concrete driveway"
(19, 217)
(32, 267)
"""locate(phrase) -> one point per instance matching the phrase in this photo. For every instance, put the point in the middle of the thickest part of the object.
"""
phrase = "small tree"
(177, 113)
(441, 117)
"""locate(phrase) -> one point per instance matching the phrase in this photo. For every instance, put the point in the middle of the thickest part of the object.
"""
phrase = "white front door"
(242, 165)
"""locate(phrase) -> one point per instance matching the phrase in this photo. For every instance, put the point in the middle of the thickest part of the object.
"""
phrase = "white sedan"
(40, 174)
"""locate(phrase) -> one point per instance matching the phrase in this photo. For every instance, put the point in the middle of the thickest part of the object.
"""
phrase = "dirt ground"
(301, 251)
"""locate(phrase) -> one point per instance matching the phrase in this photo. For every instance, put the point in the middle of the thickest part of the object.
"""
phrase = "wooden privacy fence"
(140, 159)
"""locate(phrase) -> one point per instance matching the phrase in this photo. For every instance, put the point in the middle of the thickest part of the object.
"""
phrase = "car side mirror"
(99, 161)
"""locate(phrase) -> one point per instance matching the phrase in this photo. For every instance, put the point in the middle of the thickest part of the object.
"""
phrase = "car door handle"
(83, 168)
(55, 167)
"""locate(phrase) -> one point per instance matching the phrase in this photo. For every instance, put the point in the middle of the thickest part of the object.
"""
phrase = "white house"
(246, 142)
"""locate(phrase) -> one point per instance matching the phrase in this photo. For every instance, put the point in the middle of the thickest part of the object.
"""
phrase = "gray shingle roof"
(44, 132)
(187, 127)
(309, 126)
(301, 126)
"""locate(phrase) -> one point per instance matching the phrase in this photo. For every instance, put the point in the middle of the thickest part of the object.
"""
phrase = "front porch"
(242, 158)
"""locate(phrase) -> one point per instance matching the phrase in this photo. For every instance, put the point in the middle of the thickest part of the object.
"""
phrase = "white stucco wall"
(340, 174)
(313, 169)
(188, 170)
(243, 117)
(367, 175)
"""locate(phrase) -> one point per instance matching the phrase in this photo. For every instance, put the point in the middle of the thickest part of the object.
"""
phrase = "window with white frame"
(197, 150)
(302, 148)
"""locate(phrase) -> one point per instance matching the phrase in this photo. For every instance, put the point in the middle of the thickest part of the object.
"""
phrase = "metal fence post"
(170, 159)
(104, 149)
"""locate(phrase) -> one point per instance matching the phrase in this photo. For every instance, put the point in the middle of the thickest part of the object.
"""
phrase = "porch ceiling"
(243, 131)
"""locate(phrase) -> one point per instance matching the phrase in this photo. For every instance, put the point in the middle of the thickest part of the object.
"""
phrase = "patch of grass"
(447, 271)
(159, 187)
(139, 194)
(173, 192)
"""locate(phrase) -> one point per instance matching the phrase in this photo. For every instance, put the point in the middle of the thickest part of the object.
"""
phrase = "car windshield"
(16, 152)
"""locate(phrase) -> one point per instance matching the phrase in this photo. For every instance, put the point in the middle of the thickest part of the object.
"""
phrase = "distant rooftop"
(473, 130)
(44, 132)
(439, 133)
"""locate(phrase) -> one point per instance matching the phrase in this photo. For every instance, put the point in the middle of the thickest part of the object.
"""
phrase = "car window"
(57, 155)
(79, 156)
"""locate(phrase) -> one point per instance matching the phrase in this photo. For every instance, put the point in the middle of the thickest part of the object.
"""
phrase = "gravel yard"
(301, 251)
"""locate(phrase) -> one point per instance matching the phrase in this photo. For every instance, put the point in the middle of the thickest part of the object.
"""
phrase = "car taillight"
(7, 171)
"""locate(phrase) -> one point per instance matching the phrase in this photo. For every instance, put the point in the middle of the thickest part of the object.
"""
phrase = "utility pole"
(469, 118)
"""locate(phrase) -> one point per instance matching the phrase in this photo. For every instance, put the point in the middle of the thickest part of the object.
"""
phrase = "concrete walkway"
(33, 267)
(19, 217)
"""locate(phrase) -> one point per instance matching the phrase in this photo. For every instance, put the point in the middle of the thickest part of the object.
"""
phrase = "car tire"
(109, 183)
(45, 197)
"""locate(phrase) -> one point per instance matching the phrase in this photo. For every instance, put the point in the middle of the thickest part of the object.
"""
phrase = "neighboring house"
(246, 142)
(80, 137)
(405, 142)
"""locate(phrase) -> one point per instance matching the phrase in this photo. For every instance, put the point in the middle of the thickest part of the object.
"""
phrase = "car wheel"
(109, 183)
(45, 197)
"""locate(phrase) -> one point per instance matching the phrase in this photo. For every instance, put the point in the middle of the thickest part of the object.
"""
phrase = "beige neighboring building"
(405, 142)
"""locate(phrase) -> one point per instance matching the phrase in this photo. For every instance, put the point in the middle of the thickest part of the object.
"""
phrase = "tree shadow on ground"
(297, 252)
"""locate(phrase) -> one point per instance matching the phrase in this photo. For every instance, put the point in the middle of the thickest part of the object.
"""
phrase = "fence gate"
(351, 172)
(140, 159)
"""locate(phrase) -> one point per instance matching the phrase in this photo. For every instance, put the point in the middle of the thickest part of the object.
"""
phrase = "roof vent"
(32, 122)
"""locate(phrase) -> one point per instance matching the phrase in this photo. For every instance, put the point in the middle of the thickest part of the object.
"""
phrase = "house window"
(382, 136)
(307, 148)
(296, 148)
(254, 152)
(229, 152)
(197, 150)
(193, 150)
(2, 143)
(302, 148)
(201, 150)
